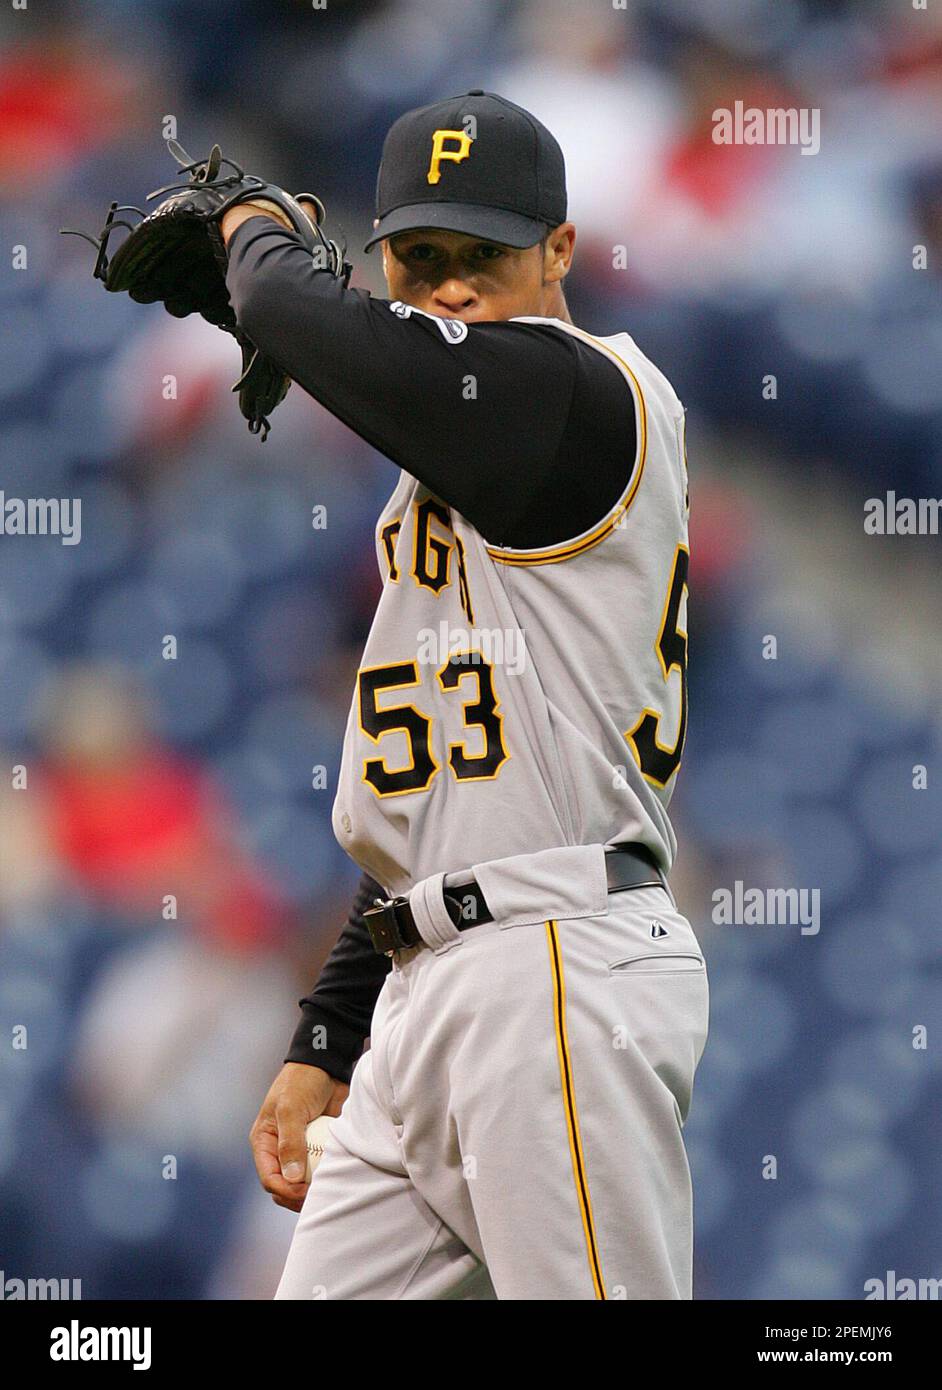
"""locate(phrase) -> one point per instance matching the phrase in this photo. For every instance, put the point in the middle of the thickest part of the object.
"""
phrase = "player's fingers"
(292, 1119)
(268, 1166)
(287, 1194)
(265, 1152)
(337, 1098)
(264, 1140)
(289, 1204)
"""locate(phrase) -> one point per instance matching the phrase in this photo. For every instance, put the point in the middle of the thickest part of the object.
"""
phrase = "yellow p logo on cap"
(439, 152)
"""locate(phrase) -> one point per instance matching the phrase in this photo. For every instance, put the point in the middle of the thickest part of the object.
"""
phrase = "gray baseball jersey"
(511, 701)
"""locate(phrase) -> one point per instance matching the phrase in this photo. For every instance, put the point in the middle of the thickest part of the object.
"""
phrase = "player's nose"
(453, 295)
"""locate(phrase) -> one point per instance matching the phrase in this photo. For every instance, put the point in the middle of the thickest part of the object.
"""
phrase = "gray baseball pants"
(515, 1129)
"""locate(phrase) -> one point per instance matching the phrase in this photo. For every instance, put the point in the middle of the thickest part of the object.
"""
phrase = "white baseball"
(316, 1136)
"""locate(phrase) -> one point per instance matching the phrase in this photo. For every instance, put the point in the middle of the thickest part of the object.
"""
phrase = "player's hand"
(298, 1095)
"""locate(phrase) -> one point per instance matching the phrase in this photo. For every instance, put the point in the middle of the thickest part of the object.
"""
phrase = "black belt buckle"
(385, 925)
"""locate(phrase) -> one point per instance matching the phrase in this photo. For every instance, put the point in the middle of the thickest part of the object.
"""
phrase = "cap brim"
(494, 224)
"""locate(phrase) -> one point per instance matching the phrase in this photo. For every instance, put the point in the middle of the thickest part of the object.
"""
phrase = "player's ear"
(557, 252)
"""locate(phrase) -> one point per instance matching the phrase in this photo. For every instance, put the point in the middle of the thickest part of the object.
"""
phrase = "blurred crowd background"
(151, 1034)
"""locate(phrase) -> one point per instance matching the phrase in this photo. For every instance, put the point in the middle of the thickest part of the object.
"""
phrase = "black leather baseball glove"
(177, 255)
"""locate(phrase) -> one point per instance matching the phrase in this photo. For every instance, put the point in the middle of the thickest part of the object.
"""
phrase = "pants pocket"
(658, 963)
(663, 1003)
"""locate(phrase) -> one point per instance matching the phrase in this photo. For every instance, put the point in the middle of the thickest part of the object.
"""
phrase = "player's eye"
(487, 251)
(421, 251)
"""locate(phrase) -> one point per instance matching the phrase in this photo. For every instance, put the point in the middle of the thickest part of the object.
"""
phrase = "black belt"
(392, 926)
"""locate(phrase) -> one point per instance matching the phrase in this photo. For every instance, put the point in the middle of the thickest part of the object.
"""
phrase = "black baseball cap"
(474, 163)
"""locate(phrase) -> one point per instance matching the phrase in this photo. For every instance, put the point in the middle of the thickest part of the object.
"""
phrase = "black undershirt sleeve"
(336, 1015)
(524, 429)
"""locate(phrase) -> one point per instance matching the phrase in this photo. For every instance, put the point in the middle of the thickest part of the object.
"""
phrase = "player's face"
(463, 277)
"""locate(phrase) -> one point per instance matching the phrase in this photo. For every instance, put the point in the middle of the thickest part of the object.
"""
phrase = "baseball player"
(535, 1004)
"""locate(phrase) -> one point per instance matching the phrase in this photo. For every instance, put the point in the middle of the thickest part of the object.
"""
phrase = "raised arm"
(526, 431)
